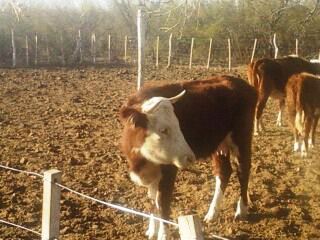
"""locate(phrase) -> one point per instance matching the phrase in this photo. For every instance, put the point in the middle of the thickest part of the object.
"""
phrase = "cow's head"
(153, 131)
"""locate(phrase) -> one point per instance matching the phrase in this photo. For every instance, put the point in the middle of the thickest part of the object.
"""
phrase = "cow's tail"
(255, 77)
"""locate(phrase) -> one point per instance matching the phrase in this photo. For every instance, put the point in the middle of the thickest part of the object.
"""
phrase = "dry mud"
(68, 119)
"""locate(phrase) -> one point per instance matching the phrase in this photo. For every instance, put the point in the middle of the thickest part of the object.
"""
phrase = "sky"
(59, 3)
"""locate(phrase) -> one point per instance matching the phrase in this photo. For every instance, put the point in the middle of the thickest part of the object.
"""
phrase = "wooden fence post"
(47, 50)
(14, 51)
(209, 54)
(190, 228)
(191, 52)
(80, 45)
(157, 52)
(276, 49)
(253, 50)
(141, 42)
(125, 48)
(51, 205)
(229, 54)
(63, 60)
(297, 47)
(27, 51)
(170, 48)
(36, 50)
(93, 47)
(109, 48)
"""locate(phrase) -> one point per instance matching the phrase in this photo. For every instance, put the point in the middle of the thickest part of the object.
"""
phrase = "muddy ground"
(68, 119)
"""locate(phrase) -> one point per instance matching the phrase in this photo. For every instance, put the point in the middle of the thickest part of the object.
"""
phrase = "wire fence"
(79, 48)
(111, 205)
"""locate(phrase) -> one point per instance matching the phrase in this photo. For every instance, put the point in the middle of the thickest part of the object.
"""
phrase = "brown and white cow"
(270, 76)
(303, 103)
(169, 127)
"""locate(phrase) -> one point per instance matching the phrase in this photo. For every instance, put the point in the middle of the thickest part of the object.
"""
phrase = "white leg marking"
(303, 150)
(296, 146)
(242, 210)
(216, 202)
(157, 230)
(154, 225)
(153, 228)
(279, 119)
(163, 233)
(310, 143)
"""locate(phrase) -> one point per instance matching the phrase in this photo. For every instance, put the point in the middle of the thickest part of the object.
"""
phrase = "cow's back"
(208, 110)
(303, 92)
(294, 65)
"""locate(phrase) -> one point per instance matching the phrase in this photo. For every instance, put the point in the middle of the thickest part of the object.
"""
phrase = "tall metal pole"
(141, 42)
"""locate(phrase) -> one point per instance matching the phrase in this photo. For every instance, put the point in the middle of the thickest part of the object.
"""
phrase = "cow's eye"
(164, 131)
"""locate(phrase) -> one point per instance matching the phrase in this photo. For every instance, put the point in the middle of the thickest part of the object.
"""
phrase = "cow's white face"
(164, 142)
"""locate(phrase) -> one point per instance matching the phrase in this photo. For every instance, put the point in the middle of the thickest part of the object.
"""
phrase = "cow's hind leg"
(222, 171)
(312, 139)
(307, 128)
(244, 163)
(296, 144)
(163, 198)
(281, 108)
(261, 104)
(242, 138)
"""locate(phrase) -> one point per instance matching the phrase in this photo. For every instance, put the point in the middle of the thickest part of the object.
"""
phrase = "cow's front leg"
(157, 229)
(153, 227)
(222, 171)
(163, 197)
(243, 175)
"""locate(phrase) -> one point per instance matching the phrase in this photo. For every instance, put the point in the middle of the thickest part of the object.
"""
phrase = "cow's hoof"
(304, 154)
(296, 147)
(242, 211)
(211, 216)
(310, 143)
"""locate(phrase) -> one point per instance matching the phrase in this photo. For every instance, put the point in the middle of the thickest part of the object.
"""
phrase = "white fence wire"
(19, 226)
(111, 205)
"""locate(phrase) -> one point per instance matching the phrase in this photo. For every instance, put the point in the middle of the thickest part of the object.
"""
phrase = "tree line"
(57, 26)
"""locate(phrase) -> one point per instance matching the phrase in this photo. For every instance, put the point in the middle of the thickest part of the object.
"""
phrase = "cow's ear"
(133, 116)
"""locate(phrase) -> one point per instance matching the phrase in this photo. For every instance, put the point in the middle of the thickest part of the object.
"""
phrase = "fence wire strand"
(19, 226)
(124, 209)
(111, 205)
(21, 171)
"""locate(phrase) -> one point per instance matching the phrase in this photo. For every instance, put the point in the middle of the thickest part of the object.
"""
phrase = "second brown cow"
(270, 76)
(303, 103)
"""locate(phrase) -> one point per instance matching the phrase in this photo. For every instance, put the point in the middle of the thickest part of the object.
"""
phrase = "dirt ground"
(68, 119)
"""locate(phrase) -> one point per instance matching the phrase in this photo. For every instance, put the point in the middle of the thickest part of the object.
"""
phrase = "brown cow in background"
(270, 76)
(303, 103)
